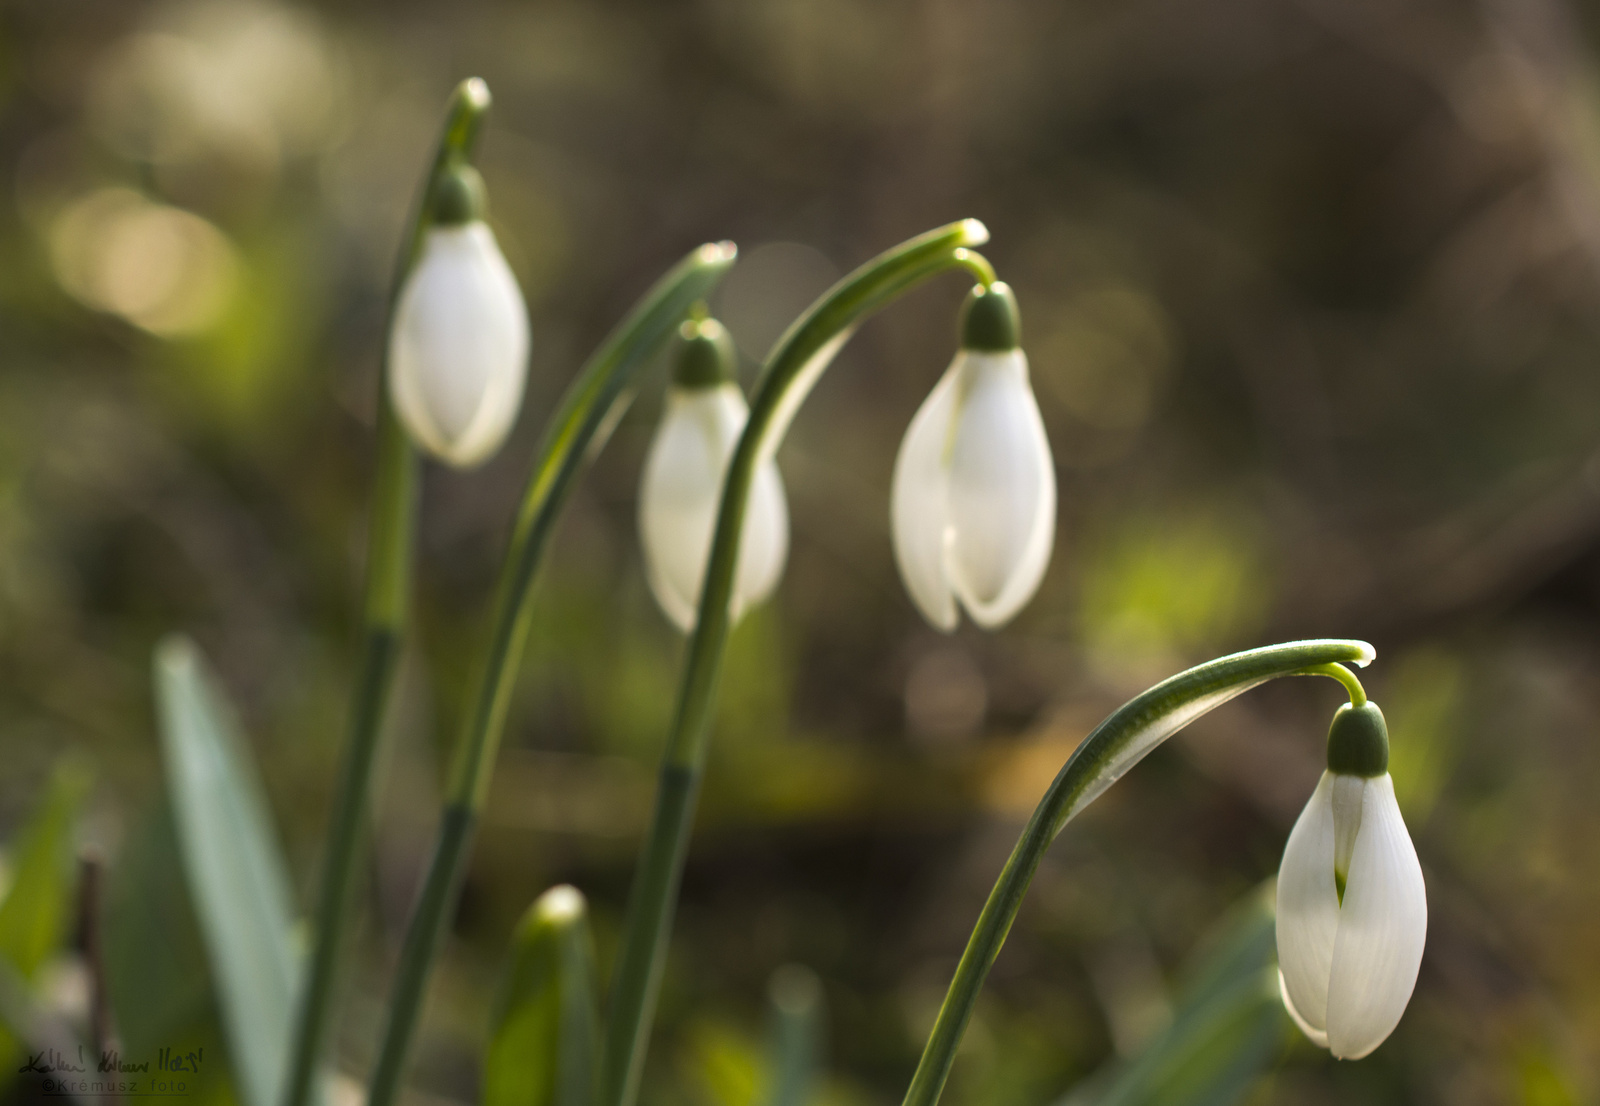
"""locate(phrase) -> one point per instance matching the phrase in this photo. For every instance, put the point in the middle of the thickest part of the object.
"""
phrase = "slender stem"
(1114, 746)
(1358, 694)
(977, 265)
(390, 541)
(793, 368)
(574, 434)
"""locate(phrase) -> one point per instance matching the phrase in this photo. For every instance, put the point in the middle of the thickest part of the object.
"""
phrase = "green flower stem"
(793, 368)
(1114, 746)
(593, 403)
(391, 537)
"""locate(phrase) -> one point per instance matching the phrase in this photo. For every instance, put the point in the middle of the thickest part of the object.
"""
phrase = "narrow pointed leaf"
(235, 870)
(544, 1048)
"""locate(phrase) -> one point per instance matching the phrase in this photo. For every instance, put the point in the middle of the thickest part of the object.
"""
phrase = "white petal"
(1002, 490)
(764, 546)
(918, 512)
(1308, 908)
(458, 351)
(1382, 928)
(1319, 1037)
(681, 492)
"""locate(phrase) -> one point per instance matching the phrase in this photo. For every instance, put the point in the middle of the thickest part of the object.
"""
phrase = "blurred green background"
(1311, 292)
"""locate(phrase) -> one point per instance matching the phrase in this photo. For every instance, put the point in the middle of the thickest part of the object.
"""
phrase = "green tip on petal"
(460, 198)
(706, 356)
(1358, 741)
(989, 319)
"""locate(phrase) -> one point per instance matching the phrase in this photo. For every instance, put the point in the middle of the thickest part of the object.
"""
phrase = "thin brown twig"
(91, 887)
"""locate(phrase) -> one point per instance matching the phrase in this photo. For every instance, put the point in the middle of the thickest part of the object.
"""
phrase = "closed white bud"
(681, 492)
(1352, 915)
(973, 507)
(458, 350)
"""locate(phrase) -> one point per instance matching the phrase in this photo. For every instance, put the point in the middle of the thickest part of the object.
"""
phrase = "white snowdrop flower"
(1352, 908)
(681, 488)
(458, 349)
(973, 508)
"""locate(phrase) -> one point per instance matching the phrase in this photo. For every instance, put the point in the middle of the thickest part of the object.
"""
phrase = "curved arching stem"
(390, 541)
(1114, 746)
(574, 434)
(793, 367)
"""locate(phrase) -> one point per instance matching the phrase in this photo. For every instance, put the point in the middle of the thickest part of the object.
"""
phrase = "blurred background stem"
(574, 435)
(793, 368)
(390, 541)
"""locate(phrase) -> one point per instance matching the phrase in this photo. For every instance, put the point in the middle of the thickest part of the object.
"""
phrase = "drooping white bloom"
(682, 490)
(458, 350)
(1352, 915)
(973, 508)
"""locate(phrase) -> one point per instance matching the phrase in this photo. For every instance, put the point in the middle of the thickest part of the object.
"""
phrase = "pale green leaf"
(236, 875)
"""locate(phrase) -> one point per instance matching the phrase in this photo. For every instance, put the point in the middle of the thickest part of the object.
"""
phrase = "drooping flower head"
(1352, 908)
(973, 508)
(681, 490)
(458, 348)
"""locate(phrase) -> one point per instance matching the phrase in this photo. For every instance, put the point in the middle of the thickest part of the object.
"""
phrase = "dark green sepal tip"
(460, 197)
(989, 319)
(1358, 741)
(705, 356)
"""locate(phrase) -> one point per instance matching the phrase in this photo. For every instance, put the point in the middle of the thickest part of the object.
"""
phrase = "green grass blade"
(544, 1047)
(236, 873)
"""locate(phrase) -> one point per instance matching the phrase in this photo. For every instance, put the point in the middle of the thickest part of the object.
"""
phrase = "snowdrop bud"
(458, 350)
(1352, 908)
(682, 485)
(973, 509)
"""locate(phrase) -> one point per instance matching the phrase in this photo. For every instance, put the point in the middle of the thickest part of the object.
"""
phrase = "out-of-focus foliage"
(794, 995)
(36, 914)
(1309, 292)
(1227, 1023)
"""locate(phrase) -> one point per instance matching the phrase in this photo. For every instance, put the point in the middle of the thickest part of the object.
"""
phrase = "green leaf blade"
(235, 870)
